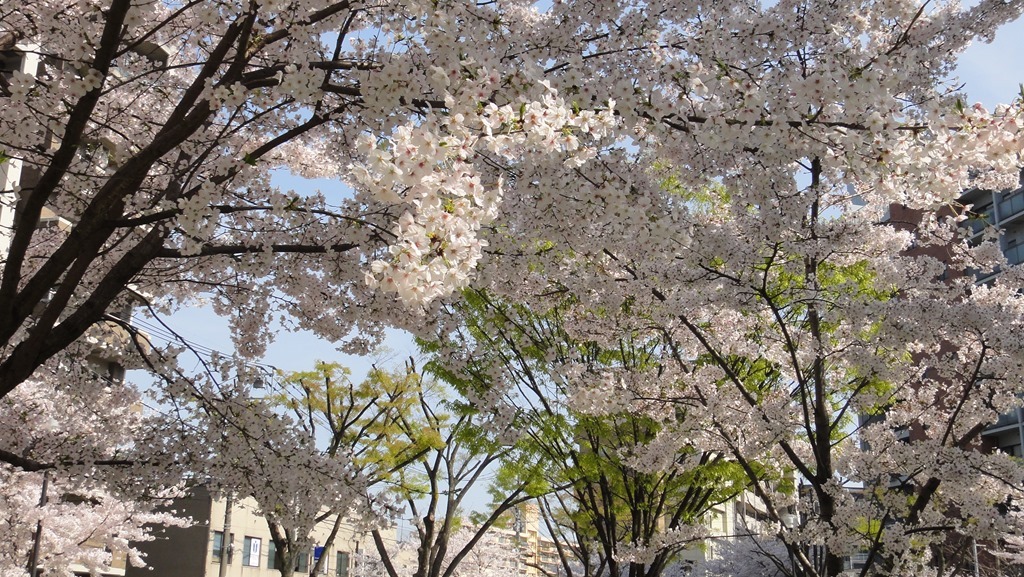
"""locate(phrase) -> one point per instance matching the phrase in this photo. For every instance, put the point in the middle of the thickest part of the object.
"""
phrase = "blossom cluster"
(436, 173)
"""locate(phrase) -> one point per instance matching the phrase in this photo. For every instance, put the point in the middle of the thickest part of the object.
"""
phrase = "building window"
(1011, 204)
(979, 218)
(272, 555)
(302, 564)
(251, 552)
(219, 545)
(342, 567)
(10, 61)
(1015, 248)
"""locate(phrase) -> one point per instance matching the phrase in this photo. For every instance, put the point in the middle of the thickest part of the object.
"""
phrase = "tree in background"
(773, 353)
(1014, 547)
(280, 450)
(613, 503)
(355, 425)
(460, 453)
(488, 556)
(64, 512)
(403, 444)
(491, 556)
(756, 555)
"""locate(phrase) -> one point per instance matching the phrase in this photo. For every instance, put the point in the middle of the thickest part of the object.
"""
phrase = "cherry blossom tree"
(1013, 550)
(876, 432)
(329, 488)
(66, 512)
(488, 556)
(608, 503)
(112, 132)
(718, 175)
(491, 556)
(799, 326)
(356, 425)
(751, 555)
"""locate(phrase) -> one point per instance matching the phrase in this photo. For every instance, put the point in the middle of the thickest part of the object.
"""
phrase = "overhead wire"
(207, 353)
(170, 336)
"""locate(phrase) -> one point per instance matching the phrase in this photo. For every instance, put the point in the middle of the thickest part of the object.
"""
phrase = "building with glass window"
(535, 553)
(1005, 211)
(248, 550)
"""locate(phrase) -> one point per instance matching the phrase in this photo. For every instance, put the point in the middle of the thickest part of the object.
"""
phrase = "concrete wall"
(178, 552)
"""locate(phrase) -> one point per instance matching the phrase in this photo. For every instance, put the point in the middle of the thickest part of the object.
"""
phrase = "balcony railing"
(1011, 205)
(1015, 254)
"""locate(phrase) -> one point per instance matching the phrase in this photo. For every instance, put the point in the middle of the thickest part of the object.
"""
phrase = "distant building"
(537, 553)
(735, 519)
(248, 550)
(14, 175)
(1005, 211)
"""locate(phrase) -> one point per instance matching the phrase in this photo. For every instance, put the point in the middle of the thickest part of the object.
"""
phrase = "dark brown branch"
(32, 465)
(313, 18)
(212, 250)
(29, 214)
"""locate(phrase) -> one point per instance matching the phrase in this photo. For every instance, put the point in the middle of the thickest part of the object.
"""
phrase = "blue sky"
(991, 73)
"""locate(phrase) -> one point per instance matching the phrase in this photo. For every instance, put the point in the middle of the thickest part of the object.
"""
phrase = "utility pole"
(226, 542)
(974, 555)
(33, 558)
(518, 526)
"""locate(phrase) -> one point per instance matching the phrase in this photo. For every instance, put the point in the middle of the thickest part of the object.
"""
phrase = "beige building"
(14, 175)
(248, 551)
(537, 554)
(733, 519)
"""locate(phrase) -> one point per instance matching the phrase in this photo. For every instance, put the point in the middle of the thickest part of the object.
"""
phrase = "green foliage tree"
(453, 448)
(614, 497)
(355, 422)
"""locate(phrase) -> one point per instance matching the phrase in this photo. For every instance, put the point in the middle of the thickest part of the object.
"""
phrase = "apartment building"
(1005, 211)
(1002, 209)
(729, 523)
(537, 554)
(14, 175)
(203, 550)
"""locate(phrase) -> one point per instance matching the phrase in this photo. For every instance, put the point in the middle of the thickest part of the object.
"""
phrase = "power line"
(206, 354)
